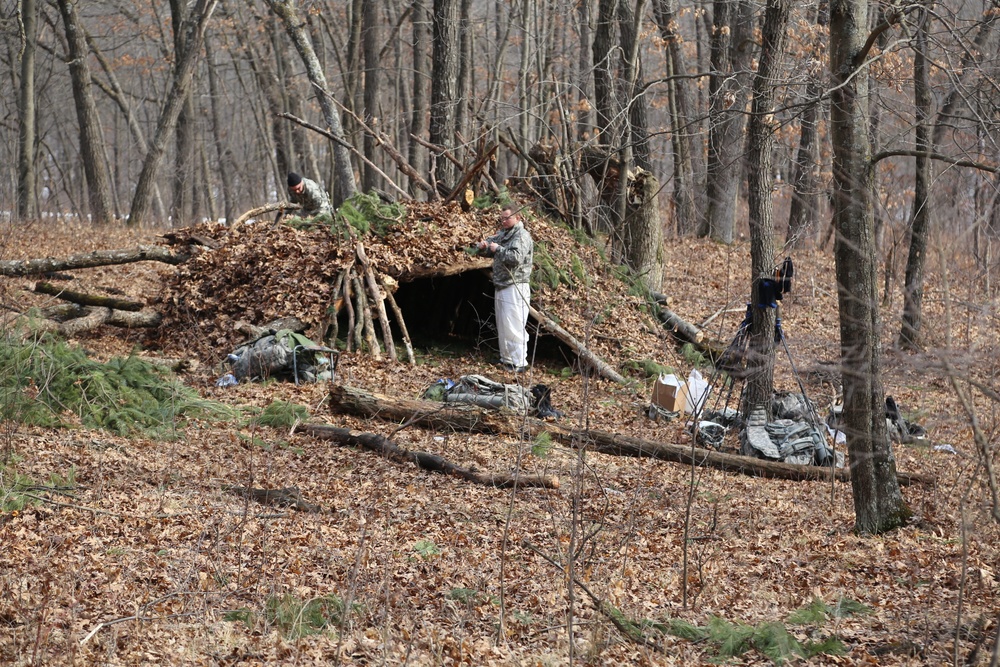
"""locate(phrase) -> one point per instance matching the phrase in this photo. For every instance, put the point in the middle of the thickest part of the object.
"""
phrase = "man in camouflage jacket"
(308, 194)
(512, 251)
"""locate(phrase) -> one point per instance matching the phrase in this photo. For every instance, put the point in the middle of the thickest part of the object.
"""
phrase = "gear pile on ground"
(258, 271)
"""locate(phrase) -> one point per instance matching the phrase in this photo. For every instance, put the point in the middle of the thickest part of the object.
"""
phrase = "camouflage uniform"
(512, 263)
(313, 199)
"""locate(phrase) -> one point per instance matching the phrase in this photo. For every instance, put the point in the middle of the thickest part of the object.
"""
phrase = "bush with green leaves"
(44, 381)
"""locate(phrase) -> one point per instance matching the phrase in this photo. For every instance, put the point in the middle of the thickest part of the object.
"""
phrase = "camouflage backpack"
(279, 355)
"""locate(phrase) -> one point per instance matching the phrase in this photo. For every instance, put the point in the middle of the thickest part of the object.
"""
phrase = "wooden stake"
(377, 301)
(407, 343)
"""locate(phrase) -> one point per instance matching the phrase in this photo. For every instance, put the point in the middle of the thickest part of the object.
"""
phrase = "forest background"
(874, 126)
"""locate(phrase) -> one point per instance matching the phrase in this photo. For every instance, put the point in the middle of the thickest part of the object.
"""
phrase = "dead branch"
(471, 172)
(28, 267)
(267, 208)
(367, 328)
(424, 460)
(588, 357)
(398, 313)
(332, 137)
(87, 299)
(378, 301)
(680, 328)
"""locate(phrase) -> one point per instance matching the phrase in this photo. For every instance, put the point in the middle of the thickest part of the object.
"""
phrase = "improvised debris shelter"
(402, 281)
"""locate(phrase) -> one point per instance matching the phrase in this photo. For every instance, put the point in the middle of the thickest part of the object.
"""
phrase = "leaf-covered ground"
(135, 553)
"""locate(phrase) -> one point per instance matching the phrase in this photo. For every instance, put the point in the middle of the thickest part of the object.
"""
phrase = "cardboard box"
(670, 393)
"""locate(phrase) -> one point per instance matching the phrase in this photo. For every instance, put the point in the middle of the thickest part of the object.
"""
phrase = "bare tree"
(760, 141)
(91, 136)
(803, 213)
(418, 110)
(731, 51)
(444, 85)
(344, 184)
(197, 22)
(27, 196)
(182, 185)
(370, 47)
(878, 502)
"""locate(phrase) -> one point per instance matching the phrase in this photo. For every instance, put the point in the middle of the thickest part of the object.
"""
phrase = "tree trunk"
(27, 195)
(370, 47)
(760, 141)
(182, 199)
(920, 220)
(643, 231)
(638, 135)
(802, 215)
(91, 138)
(424, 460)
(732, 38)
(344, 184)
(183, 74)
(29, 267)
(466, 65)
(444, 82)
(878, 503)
(603, 79)
(913, 289)
(117, 94)
(267, 81)
(679, 116)
(227, 165)
(418, 113)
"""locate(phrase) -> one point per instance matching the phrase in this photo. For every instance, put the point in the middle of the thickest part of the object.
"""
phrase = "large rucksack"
(283, 355)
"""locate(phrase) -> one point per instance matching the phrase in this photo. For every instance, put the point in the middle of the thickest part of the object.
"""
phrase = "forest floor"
(147, 560)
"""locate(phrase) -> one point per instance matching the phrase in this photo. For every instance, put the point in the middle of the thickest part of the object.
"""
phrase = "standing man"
(512, 251)
(309, 194)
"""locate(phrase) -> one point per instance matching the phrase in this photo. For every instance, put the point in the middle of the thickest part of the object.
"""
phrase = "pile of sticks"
(364, 294)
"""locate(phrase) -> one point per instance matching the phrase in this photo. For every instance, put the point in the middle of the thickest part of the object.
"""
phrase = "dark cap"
(293, 179)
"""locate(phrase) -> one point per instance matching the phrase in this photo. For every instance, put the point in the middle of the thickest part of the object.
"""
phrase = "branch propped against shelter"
(600, 366)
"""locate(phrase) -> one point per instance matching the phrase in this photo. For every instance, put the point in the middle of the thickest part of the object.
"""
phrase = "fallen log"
(431, 414)
(351, 400)
(599, 365)
(28, 267)
(680, 328)
(90, 317)
(85, 299)
(424, 460)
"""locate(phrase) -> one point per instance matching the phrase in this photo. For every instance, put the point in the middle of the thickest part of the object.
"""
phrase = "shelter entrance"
(454, 314)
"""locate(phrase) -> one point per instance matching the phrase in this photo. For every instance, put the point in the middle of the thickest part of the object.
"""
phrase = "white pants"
(512, 318)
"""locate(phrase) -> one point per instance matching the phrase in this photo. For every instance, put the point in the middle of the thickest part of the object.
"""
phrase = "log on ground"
(85, 299)
(424, 460)
(28, 267)
(351, 400)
